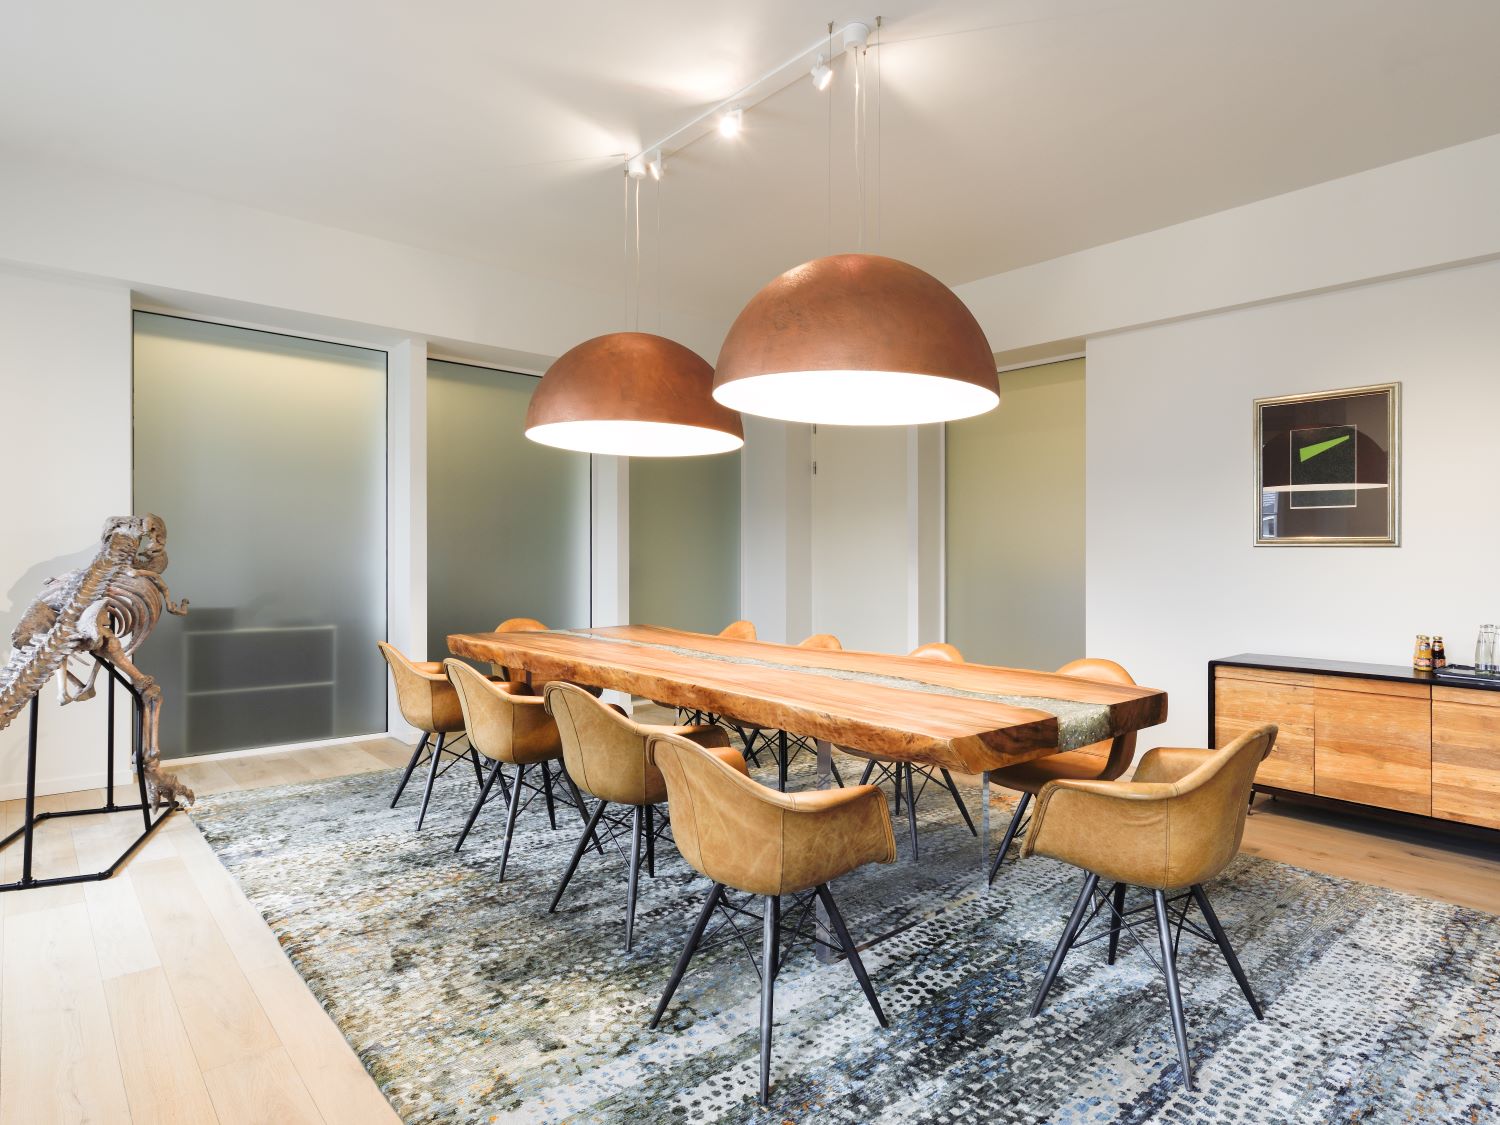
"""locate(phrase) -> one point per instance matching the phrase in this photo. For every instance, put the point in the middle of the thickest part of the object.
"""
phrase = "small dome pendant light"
(857, 339)
(632, 394)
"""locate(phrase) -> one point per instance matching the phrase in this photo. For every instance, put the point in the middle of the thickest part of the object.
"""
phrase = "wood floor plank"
(122, 939)
(57, 1049)
(218, 1007)
(338, 1082)
(259, 1089)
(162, 1079)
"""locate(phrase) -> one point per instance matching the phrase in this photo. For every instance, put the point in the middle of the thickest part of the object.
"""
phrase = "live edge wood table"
(966, 717)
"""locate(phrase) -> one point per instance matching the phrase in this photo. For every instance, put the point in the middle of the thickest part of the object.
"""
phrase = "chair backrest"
(504, 723)
(739, 631)
(725, 825)
(1120, 752)
(427, 701)
(520, 625)
(1208, 805)
(822, 640)
(938, 650)
(604, 750)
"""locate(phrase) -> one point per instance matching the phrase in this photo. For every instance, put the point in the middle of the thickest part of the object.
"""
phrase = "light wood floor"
(161, 996)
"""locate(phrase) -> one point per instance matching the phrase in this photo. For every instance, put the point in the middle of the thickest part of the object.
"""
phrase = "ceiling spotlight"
(731, 121)
(822, 73)
(635, 167)
(653, 163)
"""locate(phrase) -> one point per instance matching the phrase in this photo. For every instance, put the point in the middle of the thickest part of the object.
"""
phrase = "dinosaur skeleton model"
(100, 612)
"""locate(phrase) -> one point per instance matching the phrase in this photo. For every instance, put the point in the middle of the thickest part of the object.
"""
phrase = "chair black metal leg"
(1116, 919)
(825, 895)
(1064, 943)
(636, 816)
(896, 785)
(484, 795)
(959, 801)
(688, 950)
(781, 762)
(1174, 993)
(864, 778)
(911, 810)
(416, 756)
(478, 769)
(1010, 833)
(589, 826)
(583, 813)
(1222, 938)
(651, 841)
(834, 766)
(437, 756)
(510, 819)
(768, 959)
(547, 795)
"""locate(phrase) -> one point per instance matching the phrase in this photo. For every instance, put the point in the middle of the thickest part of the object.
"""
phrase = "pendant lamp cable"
(859, 148)
(830, 144)
(879, 141)
(661, 251)
(625, 248)
(637, 225)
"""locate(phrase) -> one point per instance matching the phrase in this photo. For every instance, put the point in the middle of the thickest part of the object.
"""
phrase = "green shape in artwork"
(1307, 452)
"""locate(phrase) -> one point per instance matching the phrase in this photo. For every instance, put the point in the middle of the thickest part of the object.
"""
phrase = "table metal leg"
(827, 943)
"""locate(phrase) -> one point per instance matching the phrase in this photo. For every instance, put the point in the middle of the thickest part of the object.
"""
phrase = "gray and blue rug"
(468, 1002)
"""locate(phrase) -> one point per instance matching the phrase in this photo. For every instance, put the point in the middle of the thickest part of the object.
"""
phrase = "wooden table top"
(927, 711)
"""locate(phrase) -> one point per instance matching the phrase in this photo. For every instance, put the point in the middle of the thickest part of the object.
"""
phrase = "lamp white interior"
(634, 438)
(856, 398)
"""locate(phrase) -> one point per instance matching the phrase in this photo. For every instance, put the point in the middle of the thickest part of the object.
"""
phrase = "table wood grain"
(957, 732)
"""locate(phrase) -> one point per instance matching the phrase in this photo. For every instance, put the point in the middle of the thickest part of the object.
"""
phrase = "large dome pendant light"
(857, 339)
(632, 394)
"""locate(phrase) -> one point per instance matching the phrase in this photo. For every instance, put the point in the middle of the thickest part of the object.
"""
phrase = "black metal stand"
(27, 831)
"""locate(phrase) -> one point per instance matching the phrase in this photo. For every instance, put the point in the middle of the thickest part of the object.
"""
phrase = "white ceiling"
(1011, 131)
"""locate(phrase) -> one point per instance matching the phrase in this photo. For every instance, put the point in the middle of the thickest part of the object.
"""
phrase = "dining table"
(966, 718)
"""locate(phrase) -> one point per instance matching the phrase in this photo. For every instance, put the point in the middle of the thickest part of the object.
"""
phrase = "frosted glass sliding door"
(266, 456)
(685, 541)
(1015, 522)
(507, 519)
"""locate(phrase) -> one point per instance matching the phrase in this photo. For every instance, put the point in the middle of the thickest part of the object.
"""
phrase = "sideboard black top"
(1321, 667)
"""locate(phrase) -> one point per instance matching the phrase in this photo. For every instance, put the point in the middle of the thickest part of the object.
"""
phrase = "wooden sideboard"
(1370, 734)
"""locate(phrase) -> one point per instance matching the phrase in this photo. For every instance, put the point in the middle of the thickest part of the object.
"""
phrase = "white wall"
(1428, 212)
(1173, 578)
(65, 401)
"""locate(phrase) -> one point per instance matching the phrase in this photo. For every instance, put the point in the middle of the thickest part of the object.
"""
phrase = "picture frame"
(1328, 468)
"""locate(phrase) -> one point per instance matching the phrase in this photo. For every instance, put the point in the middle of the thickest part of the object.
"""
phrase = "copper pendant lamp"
(632, 394)
(860, 340)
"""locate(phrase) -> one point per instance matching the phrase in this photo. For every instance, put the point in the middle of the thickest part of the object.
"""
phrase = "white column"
(776, 529)
(406, 499)
(925, 503)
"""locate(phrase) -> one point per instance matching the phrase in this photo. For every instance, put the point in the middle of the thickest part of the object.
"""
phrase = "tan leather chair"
(604, 751)
(1176, 823)
(784, 747)
(749, 838)
(525, 625)
(904, 774)
(429, 703)
(509, 726)
(1103, 761)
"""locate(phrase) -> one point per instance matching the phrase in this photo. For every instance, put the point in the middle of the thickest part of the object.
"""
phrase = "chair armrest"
(828, 832)
(1170, 763)
(1115, 828)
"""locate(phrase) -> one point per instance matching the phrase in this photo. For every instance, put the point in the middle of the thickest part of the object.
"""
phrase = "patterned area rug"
(468, 1002)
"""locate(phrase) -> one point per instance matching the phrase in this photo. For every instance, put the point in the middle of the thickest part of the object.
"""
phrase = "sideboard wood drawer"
(1466, 757)
(1374, 748)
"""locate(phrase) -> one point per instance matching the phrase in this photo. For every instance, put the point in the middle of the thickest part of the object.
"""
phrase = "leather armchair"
(510, 726)
(1177, 823)
(429, 703)
(604, 752)
(746, 837)
(1103, 761)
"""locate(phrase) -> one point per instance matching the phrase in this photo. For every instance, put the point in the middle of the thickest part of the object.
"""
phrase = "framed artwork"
(1327, 468)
